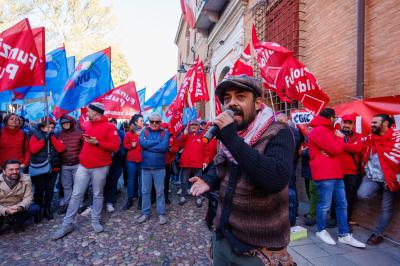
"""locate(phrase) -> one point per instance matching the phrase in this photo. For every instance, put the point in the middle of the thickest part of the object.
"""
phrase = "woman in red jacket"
(14, 143)
(43, 146)
(133, 158)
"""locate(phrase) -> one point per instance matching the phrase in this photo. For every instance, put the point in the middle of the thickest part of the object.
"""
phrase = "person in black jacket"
(45, 146)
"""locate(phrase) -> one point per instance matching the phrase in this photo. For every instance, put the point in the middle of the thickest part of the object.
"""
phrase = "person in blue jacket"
(154, 142)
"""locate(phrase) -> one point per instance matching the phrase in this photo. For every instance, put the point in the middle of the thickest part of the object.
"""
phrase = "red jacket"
(210, 151)
(14, 144)
(351, 149)
(324, 148)
(173, 148)
(38, 145)
(93, 156)
(193, 151)
(134, 153)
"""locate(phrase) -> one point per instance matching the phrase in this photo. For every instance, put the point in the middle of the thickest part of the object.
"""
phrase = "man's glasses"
(155, 122)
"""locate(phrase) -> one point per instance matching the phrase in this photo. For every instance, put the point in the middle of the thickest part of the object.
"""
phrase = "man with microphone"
(251, 171)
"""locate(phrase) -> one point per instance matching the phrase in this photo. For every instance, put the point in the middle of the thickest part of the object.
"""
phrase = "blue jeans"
(134, 179)
(328, 190)
(22, 217)
(292, 206)
(368, 189)
(148, 176)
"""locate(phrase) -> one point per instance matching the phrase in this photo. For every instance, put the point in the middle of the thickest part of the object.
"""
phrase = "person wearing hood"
(192, 159)
(44, 145)
(325, 146)
(100, 142)
(71, 136)
(134, 159)
(14, 143)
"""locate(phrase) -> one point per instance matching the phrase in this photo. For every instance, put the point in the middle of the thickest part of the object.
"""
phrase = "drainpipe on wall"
(360, 48)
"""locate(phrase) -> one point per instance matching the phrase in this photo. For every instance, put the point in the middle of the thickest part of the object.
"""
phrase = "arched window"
(224, 71)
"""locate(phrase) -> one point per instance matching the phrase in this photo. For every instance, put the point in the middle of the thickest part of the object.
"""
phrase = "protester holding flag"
(71, 136)
(100, 141)
(133, 160)
(154, 142)
(325, 147)
(14, 142)
(382, 170)
(45, 149)
(192, 159)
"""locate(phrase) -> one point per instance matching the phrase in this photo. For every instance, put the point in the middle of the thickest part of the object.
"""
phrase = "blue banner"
(90, 80)
(163, 96)
(142, 98)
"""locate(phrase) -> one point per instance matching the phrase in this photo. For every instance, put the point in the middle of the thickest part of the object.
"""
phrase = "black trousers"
(168, 173)
(44, 189)
(351, 184)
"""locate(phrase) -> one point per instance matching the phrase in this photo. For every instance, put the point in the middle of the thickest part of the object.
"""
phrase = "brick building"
(350, 46)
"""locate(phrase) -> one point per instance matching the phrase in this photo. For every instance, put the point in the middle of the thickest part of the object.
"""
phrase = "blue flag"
(56, 72)
(71, 65)
(189, 114)
(90, 80)
(142, 97)
(163, 96)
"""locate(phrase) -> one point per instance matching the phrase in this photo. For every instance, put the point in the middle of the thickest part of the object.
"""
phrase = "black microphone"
(213, 130)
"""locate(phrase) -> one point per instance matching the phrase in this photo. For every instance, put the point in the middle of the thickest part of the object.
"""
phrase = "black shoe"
(38, 217)
(139, 204)
(48, 214)
(128, 204)
(18, 228)
(62, 210)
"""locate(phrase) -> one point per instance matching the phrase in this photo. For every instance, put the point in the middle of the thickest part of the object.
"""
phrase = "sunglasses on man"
(155, 122)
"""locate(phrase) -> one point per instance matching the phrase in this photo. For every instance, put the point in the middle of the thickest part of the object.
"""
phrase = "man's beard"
(376, 130)
(245, 122)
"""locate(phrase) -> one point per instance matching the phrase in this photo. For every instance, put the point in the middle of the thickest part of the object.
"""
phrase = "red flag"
(188, 12)
(19, 58)
(39, 37)
(198, 91)
(243, 65)
(121, 102)
(175, 125)
(287, 76)
(218, 108)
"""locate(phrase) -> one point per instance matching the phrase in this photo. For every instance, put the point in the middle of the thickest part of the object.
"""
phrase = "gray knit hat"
(97, 107)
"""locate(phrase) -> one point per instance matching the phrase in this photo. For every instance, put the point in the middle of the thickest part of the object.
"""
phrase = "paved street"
(183, 241)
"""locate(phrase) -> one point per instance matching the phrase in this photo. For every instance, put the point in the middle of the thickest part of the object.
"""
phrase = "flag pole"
(272, 102)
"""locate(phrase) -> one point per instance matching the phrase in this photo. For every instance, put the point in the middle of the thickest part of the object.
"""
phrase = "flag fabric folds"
(56, 72)
(90, 80)
(19, 60)
(287, 76)
(71, 65)
(121, 102)
(163, 96)
(142, 97)
(188, 12)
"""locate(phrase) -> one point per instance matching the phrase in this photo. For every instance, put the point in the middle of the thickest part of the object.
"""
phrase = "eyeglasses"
(155, 122)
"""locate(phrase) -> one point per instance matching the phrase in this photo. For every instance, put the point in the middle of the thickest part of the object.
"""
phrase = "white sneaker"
(350, 240)
(87, 212)
(179, 192)
(326, 237)
(110, 207)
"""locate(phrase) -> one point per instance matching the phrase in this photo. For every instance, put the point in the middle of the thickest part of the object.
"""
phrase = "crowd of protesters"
(84, 163)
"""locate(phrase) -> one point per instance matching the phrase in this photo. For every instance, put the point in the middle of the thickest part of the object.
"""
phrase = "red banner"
(175, 125)
(287, 76)
(218, 107)
(121, 102)
(198, 91)
(19, 58)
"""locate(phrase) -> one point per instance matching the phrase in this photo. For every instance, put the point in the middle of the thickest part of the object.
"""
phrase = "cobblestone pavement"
(183, 241)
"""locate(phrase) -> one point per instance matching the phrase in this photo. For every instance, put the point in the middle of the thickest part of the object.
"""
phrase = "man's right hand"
(199, 187)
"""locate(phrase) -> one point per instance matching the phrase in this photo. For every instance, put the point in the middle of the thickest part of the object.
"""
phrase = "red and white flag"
(121, 102)
(198, 91)
(287, 76)
(19, 58)
(188, 8)
(243, 65)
